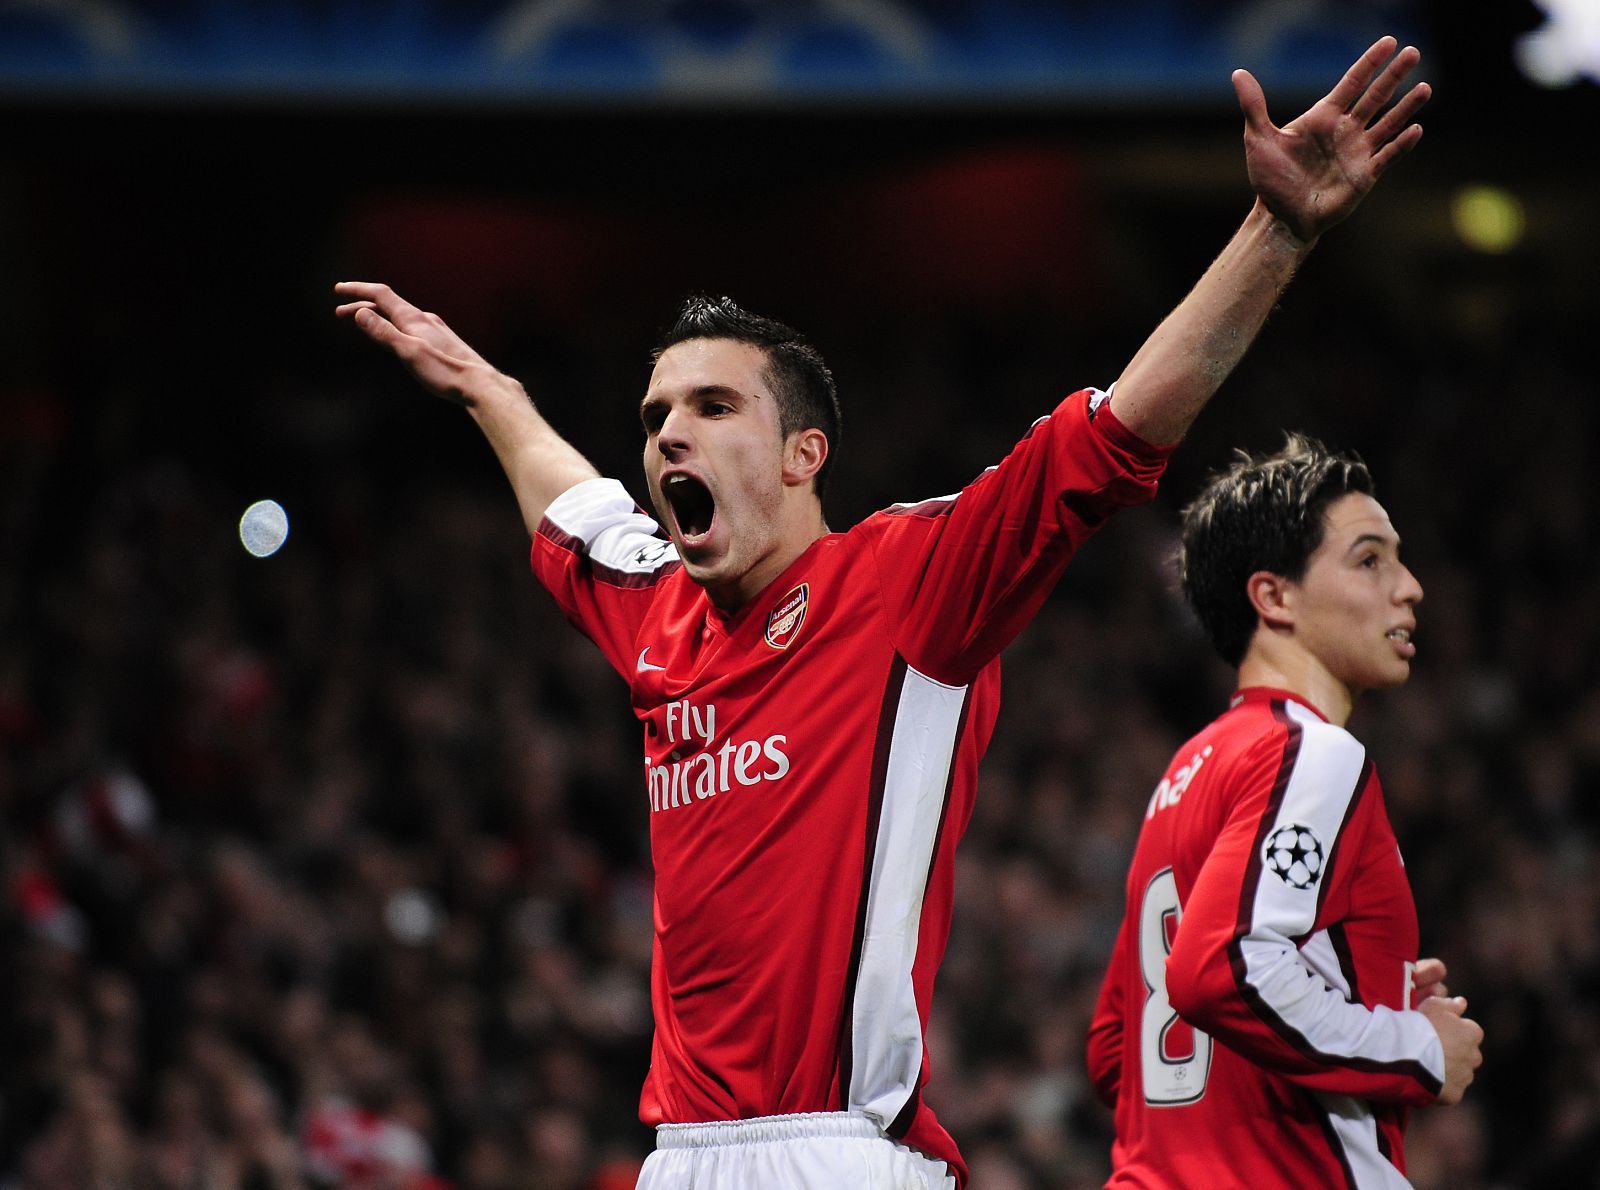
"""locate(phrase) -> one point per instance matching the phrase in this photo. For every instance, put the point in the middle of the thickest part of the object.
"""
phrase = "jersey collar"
(1255, 694)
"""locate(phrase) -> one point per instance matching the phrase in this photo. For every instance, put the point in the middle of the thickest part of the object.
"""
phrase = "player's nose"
(1410, 590)
(673, 439)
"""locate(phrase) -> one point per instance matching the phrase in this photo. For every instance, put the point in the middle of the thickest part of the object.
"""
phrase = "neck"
(731, 596)
(1302, 675)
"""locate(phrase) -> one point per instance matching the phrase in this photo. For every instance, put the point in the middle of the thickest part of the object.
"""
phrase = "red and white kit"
(1255, 1027)
(810, 762)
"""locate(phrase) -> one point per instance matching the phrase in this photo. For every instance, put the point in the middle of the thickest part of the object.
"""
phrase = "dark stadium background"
(351, 836)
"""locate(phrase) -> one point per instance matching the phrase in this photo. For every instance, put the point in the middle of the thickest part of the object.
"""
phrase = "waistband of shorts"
(764, 1130)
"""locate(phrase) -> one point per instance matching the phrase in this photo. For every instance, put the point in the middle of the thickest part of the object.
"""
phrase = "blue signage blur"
(1112, 51)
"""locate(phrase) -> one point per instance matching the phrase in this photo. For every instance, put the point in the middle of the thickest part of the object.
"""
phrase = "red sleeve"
(601, 557)
(964, 574)
(1105, 1031)
(1253, 963)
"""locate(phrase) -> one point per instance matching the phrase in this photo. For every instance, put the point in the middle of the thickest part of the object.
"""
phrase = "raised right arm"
(1307, 175)
(539, 462)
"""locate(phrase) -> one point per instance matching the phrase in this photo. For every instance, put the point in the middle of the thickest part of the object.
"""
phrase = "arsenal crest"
(783, 625)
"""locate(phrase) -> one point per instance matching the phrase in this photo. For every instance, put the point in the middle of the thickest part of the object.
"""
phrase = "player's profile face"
(713, 457)
(1355, 607)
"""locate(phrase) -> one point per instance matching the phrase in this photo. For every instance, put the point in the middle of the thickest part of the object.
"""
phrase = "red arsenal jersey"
(810, 762)
(1255, 1027)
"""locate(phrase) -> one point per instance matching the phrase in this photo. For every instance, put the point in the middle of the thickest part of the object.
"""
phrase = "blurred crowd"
(330, 869)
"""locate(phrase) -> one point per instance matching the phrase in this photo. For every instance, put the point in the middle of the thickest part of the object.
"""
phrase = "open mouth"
(692, 505)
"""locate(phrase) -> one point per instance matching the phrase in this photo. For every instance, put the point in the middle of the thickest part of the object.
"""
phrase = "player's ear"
(1272, 596)
(804, 452)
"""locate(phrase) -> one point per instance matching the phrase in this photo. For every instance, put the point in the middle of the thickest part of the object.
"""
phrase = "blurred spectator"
(330, 870)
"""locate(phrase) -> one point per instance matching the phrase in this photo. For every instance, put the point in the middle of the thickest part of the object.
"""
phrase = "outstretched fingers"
(375, 300)
(1383, 88)
(1395, 149)
(372, 291)
(434, 353)
(1356, 80)
(371, 315)
(1399, 117)
(377, 296)
(379, 329)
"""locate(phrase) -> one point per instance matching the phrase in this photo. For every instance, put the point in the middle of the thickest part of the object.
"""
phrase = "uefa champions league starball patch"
(783, 625)
(1294, 854)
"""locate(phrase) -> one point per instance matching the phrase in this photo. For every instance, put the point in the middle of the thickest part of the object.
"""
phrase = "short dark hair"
(1265, 512)
(800, 379)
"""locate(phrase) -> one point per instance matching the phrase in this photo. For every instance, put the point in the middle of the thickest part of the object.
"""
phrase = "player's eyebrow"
(721, 390)
(701, 393)
(1379, 539)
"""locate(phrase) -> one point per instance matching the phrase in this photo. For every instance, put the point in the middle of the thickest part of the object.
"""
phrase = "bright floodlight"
(264, 527)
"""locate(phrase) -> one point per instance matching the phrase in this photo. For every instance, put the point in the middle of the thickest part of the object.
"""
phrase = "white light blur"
(264, 528)
(1566, 47)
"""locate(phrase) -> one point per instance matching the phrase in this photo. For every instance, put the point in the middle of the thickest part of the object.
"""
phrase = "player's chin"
(704, 566)
(1395, 672)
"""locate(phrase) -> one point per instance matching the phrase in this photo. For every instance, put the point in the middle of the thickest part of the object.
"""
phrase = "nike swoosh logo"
(645, 666)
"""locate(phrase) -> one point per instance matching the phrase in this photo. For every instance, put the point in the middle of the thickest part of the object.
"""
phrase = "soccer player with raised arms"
(1265, 1021)
(815, 703)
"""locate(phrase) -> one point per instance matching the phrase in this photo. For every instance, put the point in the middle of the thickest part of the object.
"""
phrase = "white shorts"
(814, 1151)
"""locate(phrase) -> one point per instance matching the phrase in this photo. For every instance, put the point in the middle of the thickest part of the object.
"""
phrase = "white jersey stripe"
(1352, 1122)
(1326, 778)
(885, 1030)
(1305, 994)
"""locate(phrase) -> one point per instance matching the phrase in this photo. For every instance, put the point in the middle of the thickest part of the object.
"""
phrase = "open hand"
(1314, 171)
(435, 354)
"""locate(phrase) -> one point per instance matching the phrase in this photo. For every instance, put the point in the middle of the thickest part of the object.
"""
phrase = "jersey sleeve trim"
(598, 520)
(1141, 456)
(1115, 431)
(937, 506)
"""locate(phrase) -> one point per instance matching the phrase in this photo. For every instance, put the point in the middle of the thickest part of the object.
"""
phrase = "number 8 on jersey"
(1169, 1077)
